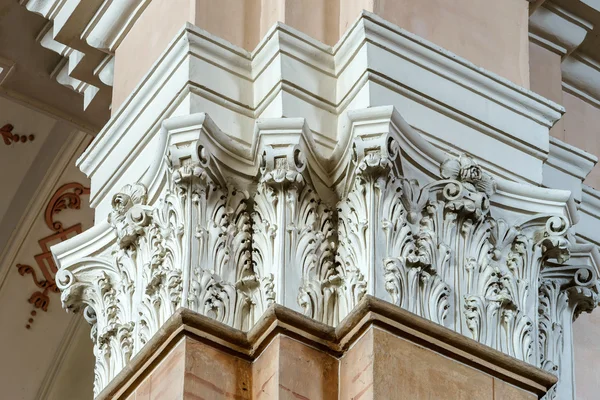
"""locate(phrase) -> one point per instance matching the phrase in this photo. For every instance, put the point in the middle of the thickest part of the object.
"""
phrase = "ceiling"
(53, 359)
(30, 80)
(588, 10)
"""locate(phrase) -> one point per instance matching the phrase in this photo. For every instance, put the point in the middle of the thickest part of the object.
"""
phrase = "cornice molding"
(279, 320)
(566, 168)
(581, 78)
(557, 29)
(64, 32)
(63, 72)
(562, 32)
(332, 79)
(570, 159)
(364, 221)
(589, 225)
(6, 68)
(111, 22)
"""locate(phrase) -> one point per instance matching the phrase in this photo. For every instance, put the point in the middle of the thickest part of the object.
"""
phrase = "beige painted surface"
(232, 20)
(19, 157)
(350, 10)
(490, 34)
(582, 130)
(75, 379)
(587, 355)
(545, 79)
(145, 42)
(317, 18)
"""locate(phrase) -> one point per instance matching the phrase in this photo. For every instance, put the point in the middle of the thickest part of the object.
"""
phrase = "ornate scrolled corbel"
(565, 291)
(440, 252)
(130, 214)
(218, 275)
(104, 289)
(293, 234)
(370, 215)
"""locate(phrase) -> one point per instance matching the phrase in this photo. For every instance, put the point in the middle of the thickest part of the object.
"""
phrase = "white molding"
(6, 68)
(589, 224)
(566, 168)
(581, 77)
(557, 29)
(111, 22)
(570, 159)
(237, 87)
(69, 61)
(61, 30)
(105, 70)
(46, 8)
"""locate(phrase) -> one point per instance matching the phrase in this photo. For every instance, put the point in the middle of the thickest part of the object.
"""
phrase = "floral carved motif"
(229, 248)
(68, 196)
(293, 236)
(192, 249)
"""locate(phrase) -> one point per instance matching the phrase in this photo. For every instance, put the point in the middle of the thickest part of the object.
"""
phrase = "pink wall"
(490, 34)
(587, 356)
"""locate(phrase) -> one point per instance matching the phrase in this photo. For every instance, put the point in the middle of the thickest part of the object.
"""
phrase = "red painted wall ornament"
(10, 138)
(68, 196)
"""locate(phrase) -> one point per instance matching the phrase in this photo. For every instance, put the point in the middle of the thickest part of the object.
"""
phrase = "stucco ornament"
(227, 238)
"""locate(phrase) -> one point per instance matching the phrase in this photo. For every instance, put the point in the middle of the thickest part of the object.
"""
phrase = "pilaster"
(315, 178)
(287, 355)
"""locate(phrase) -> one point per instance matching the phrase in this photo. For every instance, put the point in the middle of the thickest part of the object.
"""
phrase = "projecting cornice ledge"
(557, 29)
(581, 77)
(86, 34)
(492, 108)
(278, 320)
(562, 32)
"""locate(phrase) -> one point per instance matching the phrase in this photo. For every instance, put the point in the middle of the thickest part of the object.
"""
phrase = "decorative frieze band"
(227, 231)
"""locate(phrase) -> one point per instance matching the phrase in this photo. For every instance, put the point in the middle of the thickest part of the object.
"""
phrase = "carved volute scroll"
(228, 250)
(293, 235)
(191, 248)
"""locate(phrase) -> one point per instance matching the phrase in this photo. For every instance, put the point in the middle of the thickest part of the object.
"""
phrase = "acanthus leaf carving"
(431, 245)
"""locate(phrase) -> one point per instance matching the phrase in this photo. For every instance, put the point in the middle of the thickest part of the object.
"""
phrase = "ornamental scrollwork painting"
(68, 196)
(8, 137)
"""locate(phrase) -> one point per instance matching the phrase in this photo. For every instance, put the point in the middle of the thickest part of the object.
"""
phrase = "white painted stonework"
(309, 176)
